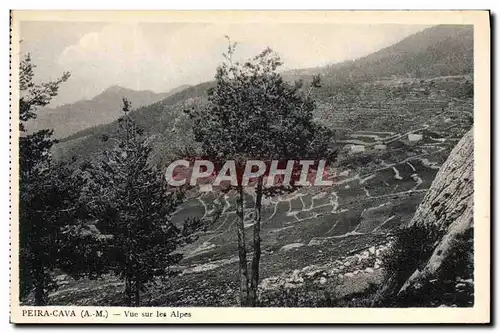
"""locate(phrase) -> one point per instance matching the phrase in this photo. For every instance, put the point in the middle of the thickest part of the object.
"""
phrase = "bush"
(450, 288)
(410, 250)
(411, 247)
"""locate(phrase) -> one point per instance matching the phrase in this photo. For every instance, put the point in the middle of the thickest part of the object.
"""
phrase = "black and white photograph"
(168, 163)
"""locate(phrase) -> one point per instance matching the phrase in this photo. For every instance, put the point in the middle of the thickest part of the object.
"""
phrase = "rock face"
(447, 208)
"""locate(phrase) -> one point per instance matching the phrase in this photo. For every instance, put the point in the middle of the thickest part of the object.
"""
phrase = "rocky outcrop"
(446, 210)
(365, 261)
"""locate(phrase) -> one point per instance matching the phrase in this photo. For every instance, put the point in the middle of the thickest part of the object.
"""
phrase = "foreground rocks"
(447, 210)
(366, 261)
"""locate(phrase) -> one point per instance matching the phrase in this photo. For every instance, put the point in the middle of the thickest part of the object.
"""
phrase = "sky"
(163, 56)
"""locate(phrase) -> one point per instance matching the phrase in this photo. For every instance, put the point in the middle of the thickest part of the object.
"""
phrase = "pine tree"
(132, 208)
(253, 114)
(43, 199)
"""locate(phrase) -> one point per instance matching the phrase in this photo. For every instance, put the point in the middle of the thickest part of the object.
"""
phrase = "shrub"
(411, 248)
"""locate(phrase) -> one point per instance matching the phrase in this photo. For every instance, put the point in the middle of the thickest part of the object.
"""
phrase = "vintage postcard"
(250, 167)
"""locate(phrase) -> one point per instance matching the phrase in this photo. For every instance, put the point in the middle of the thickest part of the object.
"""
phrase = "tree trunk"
(128, 291)
(254, 283)
(39, 277)
(241, 250)
(137, 293)
(40, 289)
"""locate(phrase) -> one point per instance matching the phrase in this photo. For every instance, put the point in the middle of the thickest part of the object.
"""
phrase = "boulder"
(446, 208)
(449, 205)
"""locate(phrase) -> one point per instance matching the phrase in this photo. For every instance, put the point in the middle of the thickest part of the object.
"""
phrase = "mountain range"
(437, 51)
(104, 108)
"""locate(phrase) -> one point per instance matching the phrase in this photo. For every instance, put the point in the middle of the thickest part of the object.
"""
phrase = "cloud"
(117, 52)
(160, 57)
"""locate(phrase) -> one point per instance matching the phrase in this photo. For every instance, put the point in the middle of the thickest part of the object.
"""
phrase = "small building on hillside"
(413, 137)
(205, 187)
(347, 147)
(353, 148)
(357, 148)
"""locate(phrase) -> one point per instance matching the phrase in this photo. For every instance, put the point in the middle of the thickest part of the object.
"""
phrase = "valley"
(396, 113)
(381, 175)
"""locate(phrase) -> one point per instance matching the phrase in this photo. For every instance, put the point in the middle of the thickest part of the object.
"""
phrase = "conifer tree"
(132, 208)
(43, 194)
(254, 114)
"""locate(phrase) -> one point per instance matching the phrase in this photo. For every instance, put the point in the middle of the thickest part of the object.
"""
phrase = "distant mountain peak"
(104, 108)
(116, 89)
(440, 50)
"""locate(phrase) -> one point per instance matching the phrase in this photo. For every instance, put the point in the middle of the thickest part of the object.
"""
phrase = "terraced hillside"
(375, 190)
(393, 132)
